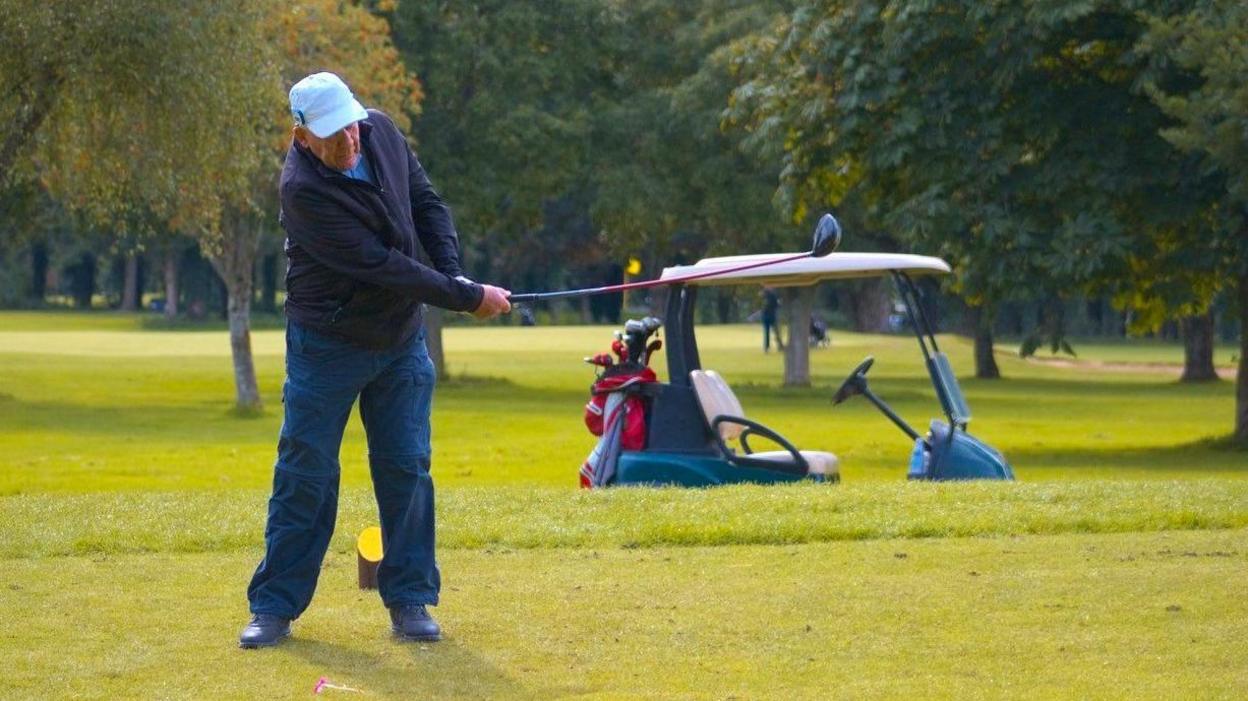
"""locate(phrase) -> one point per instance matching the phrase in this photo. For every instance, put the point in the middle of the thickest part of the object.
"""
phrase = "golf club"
(636, 333)
(827, 238)
(602, 360)
(651, 347)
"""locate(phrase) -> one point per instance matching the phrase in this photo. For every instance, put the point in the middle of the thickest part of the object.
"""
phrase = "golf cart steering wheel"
(855, 383)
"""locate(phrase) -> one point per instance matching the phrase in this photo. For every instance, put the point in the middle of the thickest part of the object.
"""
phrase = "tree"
(30, 221)
(676, 185)
(506, 98)
(1005, 137)
(510, 89)
(613, 110)
(139, 115)
(673, 181)
(1208, 98)
(157, 118)
(799, 302)
(311, 35)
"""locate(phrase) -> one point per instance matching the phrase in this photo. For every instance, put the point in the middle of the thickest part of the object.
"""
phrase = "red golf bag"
(617, 413)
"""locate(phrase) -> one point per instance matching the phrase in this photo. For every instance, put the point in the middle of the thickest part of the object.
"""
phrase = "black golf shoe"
(264, 631)
(414, 623)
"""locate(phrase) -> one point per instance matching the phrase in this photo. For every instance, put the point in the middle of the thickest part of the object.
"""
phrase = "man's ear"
(300, 135)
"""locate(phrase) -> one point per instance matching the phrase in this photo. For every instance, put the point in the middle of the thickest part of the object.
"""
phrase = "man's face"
(339, 150)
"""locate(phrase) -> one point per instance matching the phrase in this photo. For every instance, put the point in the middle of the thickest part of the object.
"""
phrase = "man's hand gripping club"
(493, 303)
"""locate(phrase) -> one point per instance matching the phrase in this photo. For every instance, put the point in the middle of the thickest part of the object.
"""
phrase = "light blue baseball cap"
(324, 104)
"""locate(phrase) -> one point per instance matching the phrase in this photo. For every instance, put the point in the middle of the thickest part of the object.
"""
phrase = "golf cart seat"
(726, 419)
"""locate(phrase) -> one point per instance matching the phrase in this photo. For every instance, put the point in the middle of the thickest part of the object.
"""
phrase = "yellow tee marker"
(369, 549)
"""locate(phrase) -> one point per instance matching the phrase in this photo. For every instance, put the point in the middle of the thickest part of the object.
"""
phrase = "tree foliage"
(1201, 55)
(577, 132)
(135, 111)
(1005, 137)
(1208, 47)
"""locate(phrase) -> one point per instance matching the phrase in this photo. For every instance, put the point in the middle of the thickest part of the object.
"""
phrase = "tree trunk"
(870, 305)
(171, 283)
(1241, 378)
(268, 290)
(247, 391)
(223, 293)
(723, 305)
(235, 262)
(985, 362)
(30, 114)
(1198, 348)
(39, 272)
(130, 284)
(433, 339)
(82, 280)
(799, 302)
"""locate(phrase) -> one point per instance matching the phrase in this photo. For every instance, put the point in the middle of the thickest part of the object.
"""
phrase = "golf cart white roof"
(806, 271)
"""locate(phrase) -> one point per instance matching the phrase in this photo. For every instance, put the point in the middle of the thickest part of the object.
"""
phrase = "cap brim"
(339, 118)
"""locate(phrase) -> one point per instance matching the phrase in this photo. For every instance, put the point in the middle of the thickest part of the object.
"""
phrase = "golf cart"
(692, 420)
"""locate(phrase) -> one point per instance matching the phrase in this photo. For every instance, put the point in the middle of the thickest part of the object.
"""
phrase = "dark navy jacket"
(353, 269)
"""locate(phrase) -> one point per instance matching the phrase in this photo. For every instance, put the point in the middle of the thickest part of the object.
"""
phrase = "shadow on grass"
(918, 386)
(1228, 443)
(422, 670)
(464, 380)
(1205, 456)
(207, 422)
(213, 421)
(260, 321)
(247, 412)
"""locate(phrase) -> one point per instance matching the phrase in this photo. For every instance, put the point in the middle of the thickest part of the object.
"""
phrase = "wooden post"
(369, 552)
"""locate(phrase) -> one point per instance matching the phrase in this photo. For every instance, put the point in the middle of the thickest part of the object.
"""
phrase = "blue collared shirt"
(361, 171)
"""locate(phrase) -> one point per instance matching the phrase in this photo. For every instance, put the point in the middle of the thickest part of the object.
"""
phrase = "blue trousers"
(324, 376)
(770, 325)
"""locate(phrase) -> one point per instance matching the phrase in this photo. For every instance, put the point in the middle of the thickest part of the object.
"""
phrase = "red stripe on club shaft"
(622, 287)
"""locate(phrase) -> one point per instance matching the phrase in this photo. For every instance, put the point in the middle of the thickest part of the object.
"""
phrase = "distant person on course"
(355, 204)
(771, 307)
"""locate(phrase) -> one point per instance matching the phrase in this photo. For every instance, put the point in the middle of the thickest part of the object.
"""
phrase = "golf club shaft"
(590, 291)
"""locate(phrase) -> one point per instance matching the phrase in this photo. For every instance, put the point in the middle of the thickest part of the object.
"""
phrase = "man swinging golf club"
(355, 204)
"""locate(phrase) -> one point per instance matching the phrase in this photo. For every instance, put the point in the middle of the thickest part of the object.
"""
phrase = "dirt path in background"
(1175, 369)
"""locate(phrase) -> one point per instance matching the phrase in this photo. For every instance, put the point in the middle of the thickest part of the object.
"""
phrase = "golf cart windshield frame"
(683, 356)
(948, 391)
(682, 344)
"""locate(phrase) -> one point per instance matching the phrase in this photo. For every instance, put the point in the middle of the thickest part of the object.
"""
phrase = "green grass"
(115, 410)
(1092, 616)
(1129, 350)
(544, 517)
(132, 505)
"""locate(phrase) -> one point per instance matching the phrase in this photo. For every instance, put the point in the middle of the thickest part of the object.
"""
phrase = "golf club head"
(651, 347)
(827, 236)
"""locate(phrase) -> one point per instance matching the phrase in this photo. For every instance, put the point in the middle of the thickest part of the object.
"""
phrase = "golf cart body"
(692, 417)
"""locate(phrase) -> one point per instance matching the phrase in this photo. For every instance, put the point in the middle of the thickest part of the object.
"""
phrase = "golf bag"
(819, 333)
(617, 413)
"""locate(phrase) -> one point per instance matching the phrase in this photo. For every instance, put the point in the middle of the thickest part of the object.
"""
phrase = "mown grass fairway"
(1094, 616)
(132, 506)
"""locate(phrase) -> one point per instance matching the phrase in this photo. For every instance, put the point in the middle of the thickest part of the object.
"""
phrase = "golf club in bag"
(618, 399)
